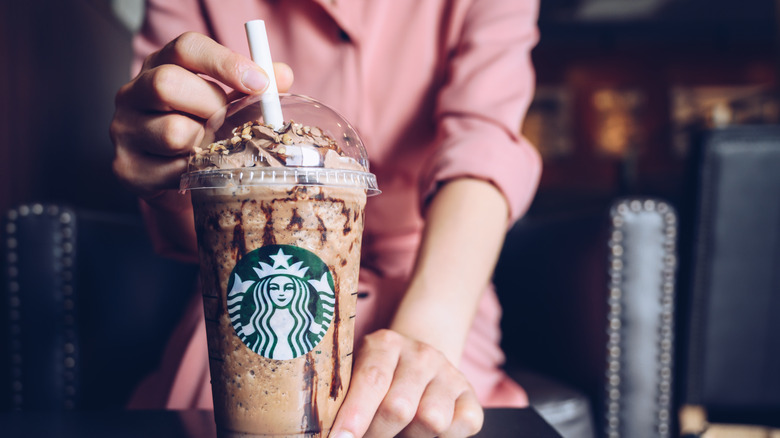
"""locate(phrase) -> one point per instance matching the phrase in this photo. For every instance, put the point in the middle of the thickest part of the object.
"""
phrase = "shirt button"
(344, 36)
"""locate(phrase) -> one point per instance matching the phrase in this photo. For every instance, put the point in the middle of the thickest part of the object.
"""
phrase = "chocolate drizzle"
(311, 414)
(323, 230)
(211, 222)
(335, 378)
(296, 221)
(239, 241)
(347, 213)
(268, 231)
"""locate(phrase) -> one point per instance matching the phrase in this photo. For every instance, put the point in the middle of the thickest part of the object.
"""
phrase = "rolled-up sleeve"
(489, 85)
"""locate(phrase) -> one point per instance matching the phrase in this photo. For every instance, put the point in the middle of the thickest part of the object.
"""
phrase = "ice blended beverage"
(279, 220)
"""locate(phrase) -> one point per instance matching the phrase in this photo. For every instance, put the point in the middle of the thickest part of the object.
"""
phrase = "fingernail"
(343, 434)
(254, 80)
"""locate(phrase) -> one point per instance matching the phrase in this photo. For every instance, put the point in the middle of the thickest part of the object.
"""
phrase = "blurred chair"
(90, 307)
(588, 303)
(733, 341)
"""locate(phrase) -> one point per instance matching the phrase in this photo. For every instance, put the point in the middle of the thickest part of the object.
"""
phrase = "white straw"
(261, 55)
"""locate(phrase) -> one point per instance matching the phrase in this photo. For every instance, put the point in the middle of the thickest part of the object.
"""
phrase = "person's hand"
(160, 114)
(403, 387)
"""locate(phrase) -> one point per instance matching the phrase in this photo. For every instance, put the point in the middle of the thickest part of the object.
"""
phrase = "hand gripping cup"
(279, 220)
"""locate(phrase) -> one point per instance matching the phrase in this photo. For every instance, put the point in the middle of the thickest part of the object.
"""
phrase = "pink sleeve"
(490, 82)
(172, 234)
(164, 21)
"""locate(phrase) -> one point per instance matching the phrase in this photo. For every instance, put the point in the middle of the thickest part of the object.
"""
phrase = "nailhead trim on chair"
(665, 335)
(14, 308)
(64, 256)
(69, 347)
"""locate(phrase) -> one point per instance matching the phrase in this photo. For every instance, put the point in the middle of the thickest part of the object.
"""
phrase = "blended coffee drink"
(279, 220)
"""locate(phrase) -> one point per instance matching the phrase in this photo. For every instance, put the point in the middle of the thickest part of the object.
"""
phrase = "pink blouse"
(437, 90)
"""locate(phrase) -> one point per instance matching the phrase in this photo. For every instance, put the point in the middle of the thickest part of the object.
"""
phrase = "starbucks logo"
(281, 301)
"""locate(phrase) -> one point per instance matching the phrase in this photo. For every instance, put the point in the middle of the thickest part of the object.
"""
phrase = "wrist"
(443, 325)
(169, 201)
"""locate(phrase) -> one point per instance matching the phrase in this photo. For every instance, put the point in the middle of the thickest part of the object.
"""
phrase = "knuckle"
(115, 131)
(384, 337)
(122, 95)
(183, 43)
(231, 65)
(149, 61)
(164, 80)
(376, 376)
(472, 419)
(122, 167)
(122, 156)
(178, 133)
(118, 166)
(397, 410)
(176, 51)
(427, 354)
(433, 420)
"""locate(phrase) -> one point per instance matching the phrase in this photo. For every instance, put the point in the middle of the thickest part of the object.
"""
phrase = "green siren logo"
(281, 301)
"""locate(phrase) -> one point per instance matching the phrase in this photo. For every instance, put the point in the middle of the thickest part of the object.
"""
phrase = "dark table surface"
(499, 423)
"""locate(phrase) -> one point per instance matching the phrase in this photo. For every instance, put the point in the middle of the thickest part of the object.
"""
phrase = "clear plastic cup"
(279, 236)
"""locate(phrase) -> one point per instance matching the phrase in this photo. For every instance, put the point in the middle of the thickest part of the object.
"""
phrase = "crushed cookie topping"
(291, 133)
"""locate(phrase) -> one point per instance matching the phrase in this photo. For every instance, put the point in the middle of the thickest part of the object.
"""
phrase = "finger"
(284, 76)
(371, 378)
(172, 88)
(437, 405)
(167, 135)
(414, 373)
(467, 419)
(284, 80)
(147, 175)
(201, 54)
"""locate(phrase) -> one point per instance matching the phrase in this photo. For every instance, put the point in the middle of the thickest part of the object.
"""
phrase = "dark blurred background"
(623, 86)
(62, 64)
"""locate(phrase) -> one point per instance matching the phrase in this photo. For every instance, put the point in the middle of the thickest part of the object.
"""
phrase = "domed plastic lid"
(316, 146)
